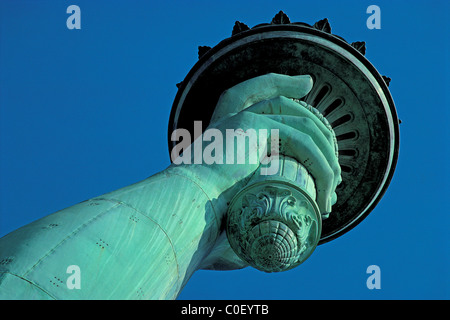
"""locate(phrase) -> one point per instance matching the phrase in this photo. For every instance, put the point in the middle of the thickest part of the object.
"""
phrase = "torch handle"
(274, 223)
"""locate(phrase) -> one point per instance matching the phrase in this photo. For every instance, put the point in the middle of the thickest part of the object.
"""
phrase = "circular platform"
(347, 90)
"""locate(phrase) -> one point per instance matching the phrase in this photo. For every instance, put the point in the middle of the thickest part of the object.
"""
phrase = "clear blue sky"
(84, 112)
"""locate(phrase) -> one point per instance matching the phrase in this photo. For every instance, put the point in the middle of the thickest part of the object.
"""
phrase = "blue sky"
(85, 112)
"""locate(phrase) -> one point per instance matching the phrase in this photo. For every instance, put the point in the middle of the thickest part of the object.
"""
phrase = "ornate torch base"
(274, 223)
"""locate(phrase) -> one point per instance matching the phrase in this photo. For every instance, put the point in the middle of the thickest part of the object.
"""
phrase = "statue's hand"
(265, 102)
(261, 105)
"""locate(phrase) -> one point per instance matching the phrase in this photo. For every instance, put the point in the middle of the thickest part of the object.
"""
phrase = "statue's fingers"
(307, 126)
(260, 88)
(287, 107)
(334, 198)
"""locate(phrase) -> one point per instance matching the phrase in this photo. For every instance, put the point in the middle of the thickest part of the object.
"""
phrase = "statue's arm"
(146, 240)
(141, 241)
